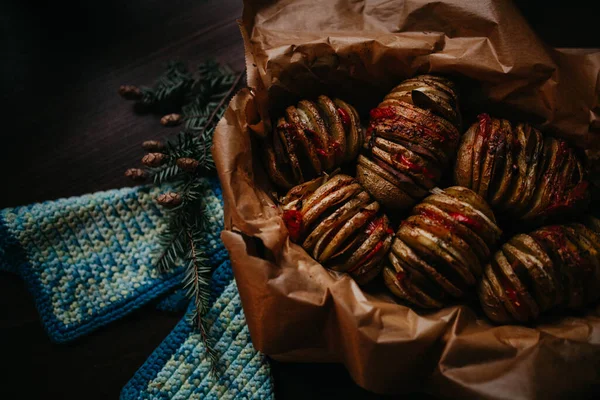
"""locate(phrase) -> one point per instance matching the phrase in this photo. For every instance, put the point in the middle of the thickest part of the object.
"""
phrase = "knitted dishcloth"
(178, 368)
(174, 302)
(89, 260)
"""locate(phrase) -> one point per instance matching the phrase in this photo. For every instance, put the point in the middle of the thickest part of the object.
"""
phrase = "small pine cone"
(130, 92)
(187, 164)
(153, 145)
(154, 159)
(169, 199)
(136, 174)
(171, 120)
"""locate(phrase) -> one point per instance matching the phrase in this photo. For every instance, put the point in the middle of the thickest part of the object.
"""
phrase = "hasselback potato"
(411, 138)
(520, 172)
(556, 266)
(312, 137)
(429, 92)
(438, 252)
(339, 224)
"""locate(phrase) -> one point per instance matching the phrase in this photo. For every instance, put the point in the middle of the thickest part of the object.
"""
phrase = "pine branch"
(201, 325)
(199, 116)
(220, 106)
(170, 89)
(197, 286)
(218, 111)
(200, 100)
(211, 92)
(172, 246)
(185, 145)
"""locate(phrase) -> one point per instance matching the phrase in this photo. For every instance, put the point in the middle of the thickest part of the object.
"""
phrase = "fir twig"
(219, 106)
(170, 89)
(197, 284)
(198, 102)
(170, 242)
(219, 109)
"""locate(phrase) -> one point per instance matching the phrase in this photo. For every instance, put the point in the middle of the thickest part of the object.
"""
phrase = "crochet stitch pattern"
(178, 368)
(89, 260)
(174, 302)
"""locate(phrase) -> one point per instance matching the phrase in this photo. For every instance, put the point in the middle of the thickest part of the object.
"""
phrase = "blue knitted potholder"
(178, 368)
(89, 260)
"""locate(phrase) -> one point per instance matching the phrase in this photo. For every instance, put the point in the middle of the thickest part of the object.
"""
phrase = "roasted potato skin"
(439, 251)
(412, 136)
(447, 246)
(521, 173)
(553, 267)
(336, 221)
(310, 138)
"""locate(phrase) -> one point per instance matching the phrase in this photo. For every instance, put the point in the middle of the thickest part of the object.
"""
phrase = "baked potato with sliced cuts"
(311, 138)
(438, 253)
(556, 266)
(412, 136)
(339, 224)
(519, 172)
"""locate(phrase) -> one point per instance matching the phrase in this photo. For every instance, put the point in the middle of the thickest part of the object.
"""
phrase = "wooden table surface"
(66, 132)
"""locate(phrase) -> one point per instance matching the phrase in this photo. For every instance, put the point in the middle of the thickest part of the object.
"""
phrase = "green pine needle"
(200, 98)
(170, 89)
(172, 247)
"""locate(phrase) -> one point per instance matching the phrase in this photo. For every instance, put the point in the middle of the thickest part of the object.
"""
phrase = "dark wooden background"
(66, 132)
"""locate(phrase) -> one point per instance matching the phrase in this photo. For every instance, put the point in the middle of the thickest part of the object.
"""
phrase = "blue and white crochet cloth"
(178, 370)
(89, 260)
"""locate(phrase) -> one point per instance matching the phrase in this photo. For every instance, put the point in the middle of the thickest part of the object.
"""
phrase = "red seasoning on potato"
(521, 173)
(312, 137)
(340, 225)
(444, 244)
(293, 221)
(553, 267)
(412, 136)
